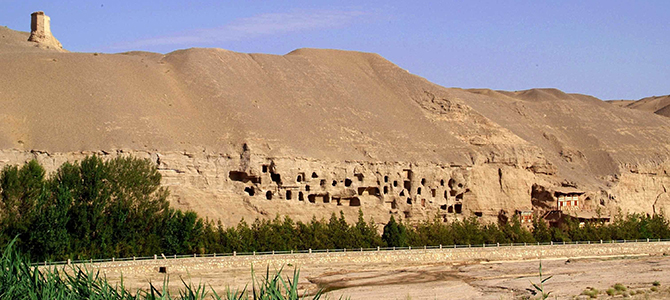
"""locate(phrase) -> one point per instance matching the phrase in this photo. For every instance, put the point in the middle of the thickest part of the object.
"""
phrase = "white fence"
(311, 251)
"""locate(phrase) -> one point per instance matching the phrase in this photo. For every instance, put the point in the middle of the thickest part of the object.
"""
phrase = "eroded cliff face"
(232, 187)
(314, 132)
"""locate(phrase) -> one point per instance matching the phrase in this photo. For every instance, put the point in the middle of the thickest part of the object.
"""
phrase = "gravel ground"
(464, 280)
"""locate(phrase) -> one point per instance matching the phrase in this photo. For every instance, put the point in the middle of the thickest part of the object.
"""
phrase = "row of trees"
(116, 208)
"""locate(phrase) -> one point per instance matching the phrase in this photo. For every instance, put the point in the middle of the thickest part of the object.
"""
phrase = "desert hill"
(657, 104)
(316, 131)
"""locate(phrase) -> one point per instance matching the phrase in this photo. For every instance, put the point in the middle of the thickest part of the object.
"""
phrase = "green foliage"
(116, 208)
(395, 234)
(19, 280)
(591, 292)
(539, 288)
(87, 209)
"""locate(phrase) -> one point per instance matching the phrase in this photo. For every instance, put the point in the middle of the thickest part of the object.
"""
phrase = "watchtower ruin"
(40, 31)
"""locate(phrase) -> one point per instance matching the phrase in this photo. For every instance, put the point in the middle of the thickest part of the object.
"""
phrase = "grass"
(591, 292)
(620, 287)
(539, 288)
(20, 280)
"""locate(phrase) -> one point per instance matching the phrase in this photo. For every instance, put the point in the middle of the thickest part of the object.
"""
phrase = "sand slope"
(328, 105)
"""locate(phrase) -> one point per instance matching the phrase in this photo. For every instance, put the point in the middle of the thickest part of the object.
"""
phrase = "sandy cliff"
(317, 131)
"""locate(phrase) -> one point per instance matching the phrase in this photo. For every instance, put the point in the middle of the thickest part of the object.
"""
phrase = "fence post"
(469, 246)
(410, 247)
(647, 240)
(133, 258)
(378, 248)
(345, 249)
(291, 251)
(393, 248)
(273, 252)
(254, 252)
(361, 249)
(563, 242)
(175, 255)
(624, 241)
(234, 253)
(69, 261)
(551, 243)
(155, 256)
(194, 255)
(440, 246)
(112, 259)
(601, 241)
(524, 243)
(214, 254)
(310, 250)
(484, 245)
(497, 244)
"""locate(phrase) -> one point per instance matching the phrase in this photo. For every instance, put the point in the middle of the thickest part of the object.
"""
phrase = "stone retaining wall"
(415, 256)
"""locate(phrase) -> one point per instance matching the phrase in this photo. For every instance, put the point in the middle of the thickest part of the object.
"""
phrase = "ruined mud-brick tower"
(40, 31)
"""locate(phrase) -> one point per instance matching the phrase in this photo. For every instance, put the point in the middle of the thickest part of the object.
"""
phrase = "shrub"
(620, 287)
(591, 292)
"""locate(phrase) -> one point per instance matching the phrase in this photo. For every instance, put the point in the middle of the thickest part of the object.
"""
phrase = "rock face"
(314, 132)
(40, 31)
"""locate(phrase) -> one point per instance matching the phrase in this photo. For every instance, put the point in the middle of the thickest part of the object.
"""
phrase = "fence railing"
(313, 251)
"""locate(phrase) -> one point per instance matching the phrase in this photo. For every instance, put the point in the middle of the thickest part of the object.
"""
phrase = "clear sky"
(609, 49)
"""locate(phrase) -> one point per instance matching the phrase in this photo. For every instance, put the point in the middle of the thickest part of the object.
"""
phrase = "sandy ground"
(472, 280)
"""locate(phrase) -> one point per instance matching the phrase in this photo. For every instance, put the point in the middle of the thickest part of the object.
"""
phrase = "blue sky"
(608, 49)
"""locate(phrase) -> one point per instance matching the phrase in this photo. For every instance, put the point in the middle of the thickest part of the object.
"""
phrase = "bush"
(591, 292)
(620, 287)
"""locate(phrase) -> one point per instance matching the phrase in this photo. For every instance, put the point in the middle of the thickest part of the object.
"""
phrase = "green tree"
(395, 234)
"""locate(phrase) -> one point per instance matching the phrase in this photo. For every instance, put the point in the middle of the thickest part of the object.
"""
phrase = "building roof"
(567, 190)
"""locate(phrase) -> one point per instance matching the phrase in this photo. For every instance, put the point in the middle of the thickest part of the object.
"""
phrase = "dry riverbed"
(426, 280)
